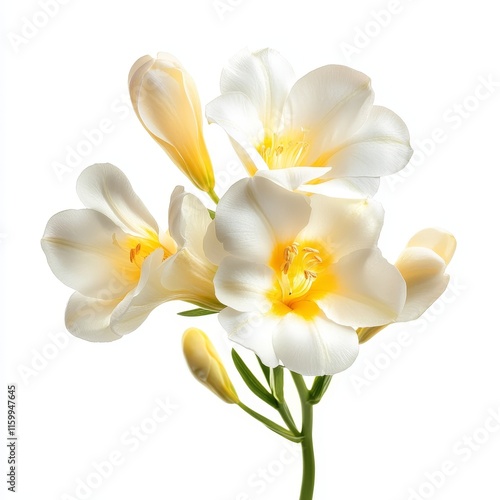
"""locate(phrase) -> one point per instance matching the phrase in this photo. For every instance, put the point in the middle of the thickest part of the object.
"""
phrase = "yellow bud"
(166, 101)
(206, 366)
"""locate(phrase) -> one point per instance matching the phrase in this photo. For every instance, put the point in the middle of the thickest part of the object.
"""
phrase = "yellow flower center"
(283, 151)
(302, 276)
(138, 248)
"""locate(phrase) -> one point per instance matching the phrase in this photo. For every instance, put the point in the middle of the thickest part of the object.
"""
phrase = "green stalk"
(308, 465)
(270, 424)
(214, 196)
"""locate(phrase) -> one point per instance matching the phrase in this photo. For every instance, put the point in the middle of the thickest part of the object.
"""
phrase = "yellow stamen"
(298, 271)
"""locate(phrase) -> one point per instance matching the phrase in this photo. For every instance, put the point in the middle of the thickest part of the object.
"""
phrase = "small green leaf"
(197, 312)
(277, 383)
(211, 213)
(265, 370)
(296, 438)
(318, 389)
(252, 382)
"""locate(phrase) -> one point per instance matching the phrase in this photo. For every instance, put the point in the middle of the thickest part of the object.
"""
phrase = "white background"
(388, 423)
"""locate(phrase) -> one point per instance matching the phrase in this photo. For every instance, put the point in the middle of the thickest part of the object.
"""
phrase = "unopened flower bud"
(166, 101)
(206, 366)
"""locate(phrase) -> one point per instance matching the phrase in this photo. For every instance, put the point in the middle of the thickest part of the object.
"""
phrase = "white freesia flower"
(299, 274)
(118, 261)
(422, 264)
(325, 121)
(166, 101)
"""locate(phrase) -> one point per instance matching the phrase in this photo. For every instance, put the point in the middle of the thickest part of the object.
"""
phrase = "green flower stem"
(287, 418)
(271, 425)
(214, 196)
(308, 466)
(277, 385)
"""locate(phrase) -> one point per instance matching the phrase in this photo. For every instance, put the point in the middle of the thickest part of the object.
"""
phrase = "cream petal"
(366, 290)
(347, 187)
(265, 77)
(188, 220)
(244, 285)
(236, 114)
(89, 319)
(187, 277)
(293, 178)
(256, 214)
(438, 240)
(166, 60)
(213, 248)
(314, 346)
(380, 147)
(253, 331)
(81, 250)
(133, 310)
(137, 71)
(166, 102)
(423, 270)
(329, 104)
(351, 224)
(105, 188)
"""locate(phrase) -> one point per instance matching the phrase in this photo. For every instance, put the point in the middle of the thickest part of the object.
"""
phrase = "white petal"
(188, 220)
(293, 177)
(423, 271)
(329, 104)
(439, 241)
(315, 346)
(244, 285)
(255, 214)
(88, 318)
(105, 188)
(213, 248)
(81, 252)
(253, 331)
(367, 290)
(133, 310)
(347, 187)
(265, 77)
(187, 277)
(348, 226)
(236, 114)
(380, 147)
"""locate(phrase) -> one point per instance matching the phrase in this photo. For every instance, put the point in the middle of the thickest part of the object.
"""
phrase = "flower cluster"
(289, 258)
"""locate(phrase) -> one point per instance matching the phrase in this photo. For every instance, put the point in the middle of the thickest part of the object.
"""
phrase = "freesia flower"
(300, 273)
(206, 365)
(325, 121)
(422, 264)
(166, 101)
(119, 262)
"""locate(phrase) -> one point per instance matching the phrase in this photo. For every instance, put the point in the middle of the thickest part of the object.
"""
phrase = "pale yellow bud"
(166, 101)
(206, 366)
